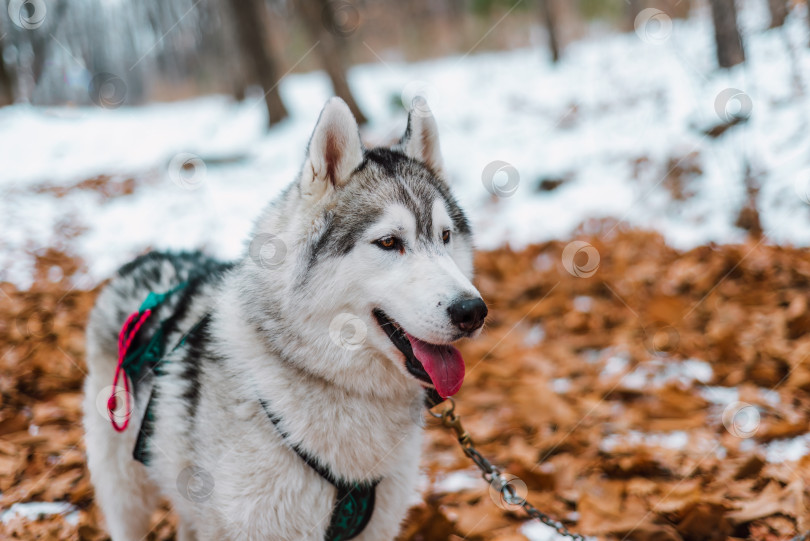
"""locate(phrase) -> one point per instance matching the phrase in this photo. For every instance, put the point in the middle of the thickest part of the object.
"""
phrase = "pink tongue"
(443, 364)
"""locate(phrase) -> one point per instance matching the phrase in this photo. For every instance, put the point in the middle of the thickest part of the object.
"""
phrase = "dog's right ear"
(334, 151)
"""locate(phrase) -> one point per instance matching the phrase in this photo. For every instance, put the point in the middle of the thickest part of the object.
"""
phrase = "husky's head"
(379, 258)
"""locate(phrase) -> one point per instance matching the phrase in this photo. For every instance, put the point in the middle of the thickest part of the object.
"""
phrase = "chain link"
(494, 476)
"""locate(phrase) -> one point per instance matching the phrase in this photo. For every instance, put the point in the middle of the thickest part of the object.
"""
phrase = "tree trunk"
(323, 26)
(779, 12)
(551, 18)
(249, 16)
(677, 9)
(726, 33)
(6, 85)
(7, 80)
(631, 10)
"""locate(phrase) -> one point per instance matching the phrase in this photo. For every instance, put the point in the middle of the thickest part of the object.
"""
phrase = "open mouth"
(435, 365)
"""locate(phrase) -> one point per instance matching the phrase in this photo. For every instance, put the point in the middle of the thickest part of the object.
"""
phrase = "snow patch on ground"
(537, 531)
(676, 440)
(458, 481)
(617, 123)
(788, 450)
(656, 373)
(35, 510)
(561, 385)
(722, 396)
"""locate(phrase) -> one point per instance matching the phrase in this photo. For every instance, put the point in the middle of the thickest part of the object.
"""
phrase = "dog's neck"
(354, 429)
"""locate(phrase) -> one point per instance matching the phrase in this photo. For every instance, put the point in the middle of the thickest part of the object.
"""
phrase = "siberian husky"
(285, 395)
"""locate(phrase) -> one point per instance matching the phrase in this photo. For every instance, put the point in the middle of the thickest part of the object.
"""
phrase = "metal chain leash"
(494, 476)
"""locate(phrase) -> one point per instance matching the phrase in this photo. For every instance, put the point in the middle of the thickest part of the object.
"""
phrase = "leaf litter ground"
(664, 397)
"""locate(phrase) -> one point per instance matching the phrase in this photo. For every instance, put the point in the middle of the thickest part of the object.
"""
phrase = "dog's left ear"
(421, 139)
(334, 151)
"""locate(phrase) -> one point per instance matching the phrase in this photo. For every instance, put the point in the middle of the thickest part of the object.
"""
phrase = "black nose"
(468, 314)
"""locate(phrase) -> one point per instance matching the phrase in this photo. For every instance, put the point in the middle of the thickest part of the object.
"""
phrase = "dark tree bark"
(677, 9)
(779, 12)
(331, 34)
(631, 10)
(226, 55)
(727, 34)
(249, 16)
(551, 18)
(43, 44)
(8, 82)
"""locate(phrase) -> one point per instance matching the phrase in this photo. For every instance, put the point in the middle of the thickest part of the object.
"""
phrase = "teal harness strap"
(147, 357)
(141, 451)
(354, 504)
(352, 512)
(150, 354)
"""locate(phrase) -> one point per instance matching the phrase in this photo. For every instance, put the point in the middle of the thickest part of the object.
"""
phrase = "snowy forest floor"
(664, 397)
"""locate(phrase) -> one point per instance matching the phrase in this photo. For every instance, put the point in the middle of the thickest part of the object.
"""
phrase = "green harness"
(148, 356)
(151, 353)
(354, 504)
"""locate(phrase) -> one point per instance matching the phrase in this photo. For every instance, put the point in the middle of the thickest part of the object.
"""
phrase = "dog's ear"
(421, 139)
(334, 151)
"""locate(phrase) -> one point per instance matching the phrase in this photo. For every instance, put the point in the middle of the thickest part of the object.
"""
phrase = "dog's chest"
(262, 485)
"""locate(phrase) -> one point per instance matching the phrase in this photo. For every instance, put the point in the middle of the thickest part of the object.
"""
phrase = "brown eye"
(446, 236)
(389, 243)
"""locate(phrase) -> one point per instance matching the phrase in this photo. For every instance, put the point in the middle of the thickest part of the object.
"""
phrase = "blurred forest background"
(175, 49)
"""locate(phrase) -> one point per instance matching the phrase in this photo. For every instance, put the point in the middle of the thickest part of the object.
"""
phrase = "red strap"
(124, 341)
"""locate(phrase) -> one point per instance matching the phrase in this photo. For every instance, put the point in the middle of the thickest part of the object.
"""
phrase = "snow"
(658, 372)
(727, 395)
(34, 510)
(610, 121)
(534, 336)
(676, 440)
(788, 450)
(537, 531)
(561, 385)
(458, 481)
(615, 365)
(583, 303)
(722, 396)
